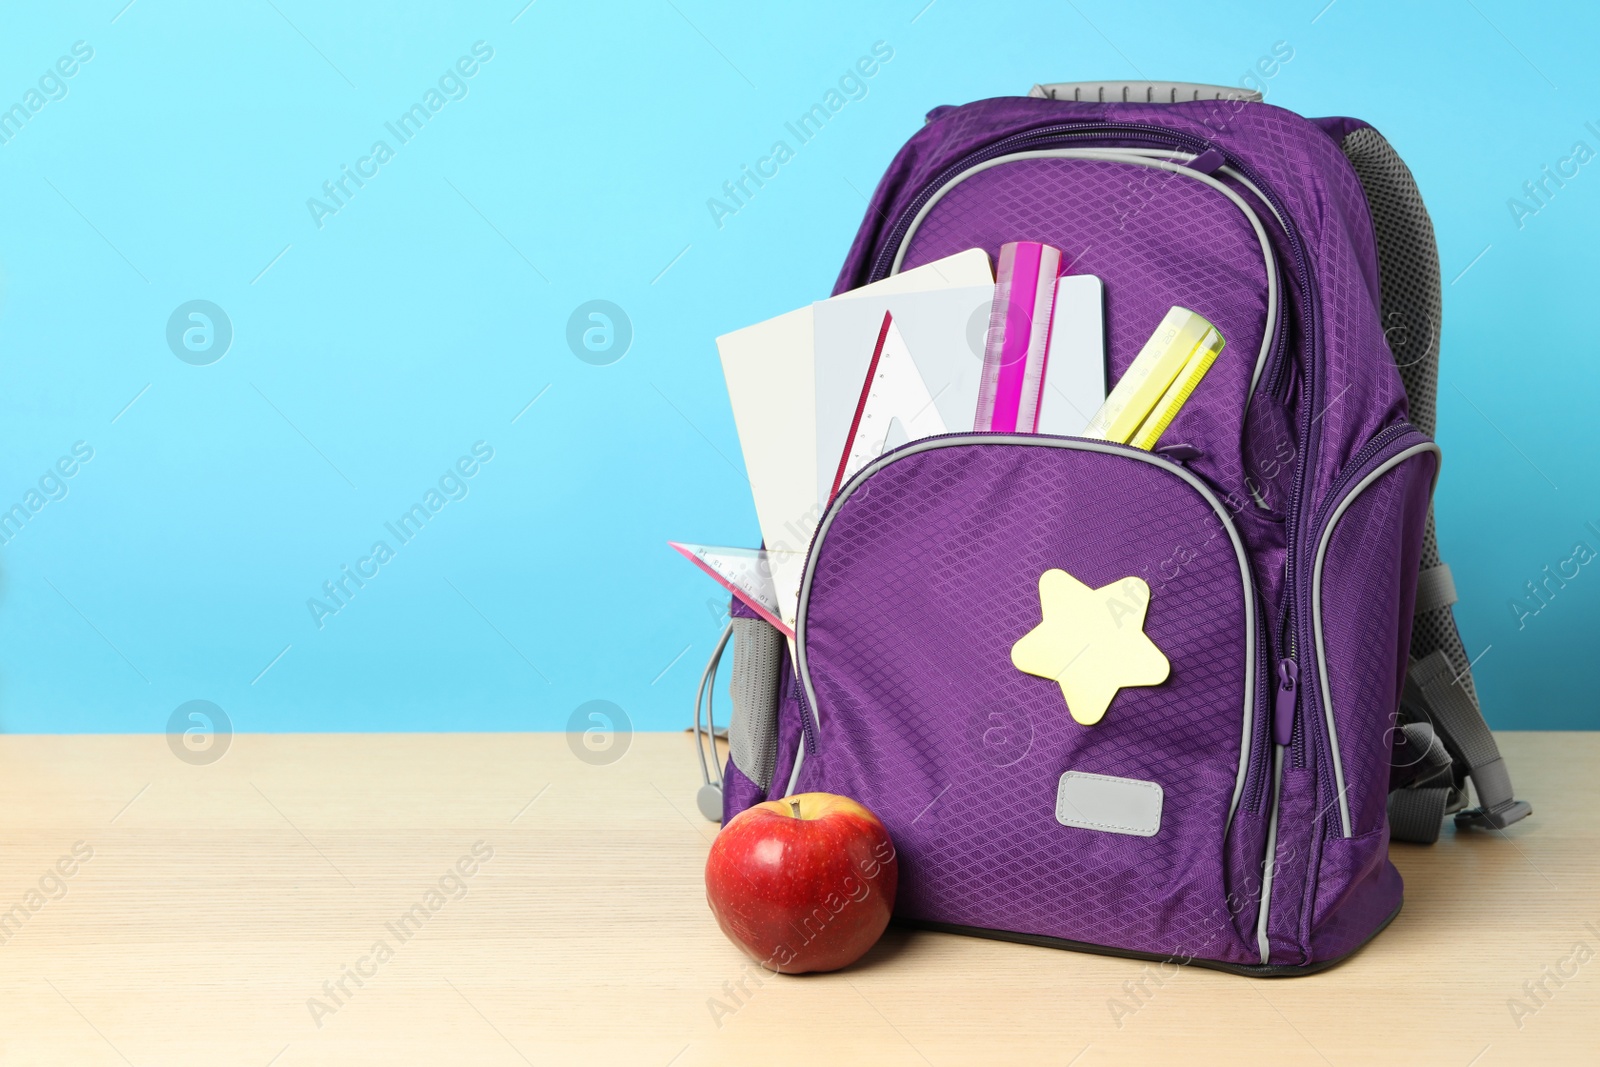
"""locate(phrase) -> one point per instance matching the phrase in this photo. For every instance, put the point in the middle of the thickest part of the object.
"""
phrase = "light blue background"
(370, 353)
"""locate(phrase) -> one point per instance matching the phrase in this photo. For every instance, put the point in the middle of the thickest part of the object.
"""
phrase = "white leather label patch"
(1112, 805)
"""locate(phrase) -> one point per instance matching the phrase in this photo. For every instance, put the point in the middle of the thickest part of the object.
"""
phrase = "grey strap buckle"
(1433, 685)
(1495, 818)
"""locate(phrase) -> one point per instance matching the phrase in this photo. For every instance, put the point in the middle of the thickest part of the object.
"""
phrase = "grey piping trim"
(1316, 607)
(1255, 492)
(1255, 192)
(799, 758)
(1071, 444)
(1270, 862)
(1139, 158)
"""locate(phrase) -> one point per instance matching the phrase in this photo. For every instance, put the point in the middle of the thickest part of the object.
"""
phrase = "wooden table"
(223, 905)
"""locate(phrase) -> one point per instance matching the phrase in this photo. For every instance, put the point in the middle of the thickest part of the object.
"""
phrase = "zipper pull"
(1179, 452)
(1283, 702)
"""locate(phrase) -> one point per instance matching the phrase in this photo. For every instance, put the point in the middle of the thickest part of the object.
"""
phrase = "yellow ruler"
(1159, 380)
(1199, 361)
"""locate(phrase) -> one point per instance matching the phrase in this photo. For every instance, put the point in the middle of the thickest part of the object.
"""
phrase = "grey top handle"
(1117, 92)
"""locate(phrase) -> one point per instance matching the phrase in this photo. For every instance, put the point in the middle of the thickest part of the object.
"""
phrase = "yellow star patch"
(1091, 641)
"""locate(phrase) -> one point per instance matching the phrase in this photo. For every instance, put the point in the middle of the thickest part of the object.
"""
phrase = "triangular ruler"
(897, 435)
(744, 572)
(894, 398)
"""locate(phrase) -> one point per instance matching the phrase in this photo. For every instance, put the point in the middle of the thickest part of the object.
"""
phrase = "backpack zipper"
(1287, 630)
(1039, 137)
(1288, 725)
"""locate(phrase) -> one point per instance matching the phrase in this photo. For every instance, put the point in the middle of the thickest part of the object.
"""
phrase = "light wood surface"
(219, 899)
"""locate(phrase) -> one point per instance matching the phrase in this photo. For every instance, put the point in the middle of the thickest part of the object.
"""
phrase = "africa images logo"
(452, 85)
(199, 332)
(452, 485)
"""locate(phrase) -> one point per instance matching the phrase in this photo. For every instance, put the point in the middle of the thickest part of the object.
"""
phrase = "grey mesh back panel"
(1408, 264)
(753, 733)
(1412, 305)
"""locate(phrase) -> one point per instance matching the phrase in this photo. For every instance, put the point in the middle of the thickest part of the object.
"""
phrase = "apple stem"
(794, 806)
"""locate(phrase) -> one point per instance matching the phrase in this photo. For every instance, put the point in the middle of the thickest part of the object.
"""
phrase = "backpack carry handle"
(1119, 92)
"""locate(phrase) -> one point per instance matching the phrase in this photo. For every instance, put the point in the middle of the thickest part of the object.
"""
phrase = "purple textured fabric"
(1364, 239)
(929, 570)
(738, 792)
(1339, 127)
(1368, 590)
(1296, 855)
(1362, 891)
(928, 575)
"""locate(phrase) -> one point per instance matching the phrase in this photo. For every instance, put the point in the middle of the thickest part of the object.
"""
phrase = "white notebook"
(935, 328)
(770, 370)
(1075, 371)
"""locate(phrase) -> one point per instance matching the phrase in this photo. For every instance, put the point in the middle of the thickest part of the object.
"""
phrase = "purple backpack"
(1319, 701)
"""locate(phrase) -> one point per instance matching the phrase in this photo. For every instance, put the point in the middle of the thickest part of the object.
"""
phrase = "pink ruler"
(1018, 341)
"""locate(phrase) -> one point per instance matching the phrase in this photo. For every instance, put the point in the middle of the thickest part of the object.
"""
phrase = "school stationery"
(1075, 367)
(770, 373)
(943, 331)
(744, 572)
(1180, 332)
(1091, 642)
(895, 406)
(1178, 393)
(1019, 331)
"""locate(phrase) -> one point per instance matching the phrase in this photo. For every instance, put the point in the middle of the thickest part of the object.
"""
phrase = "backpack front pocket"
(1039, 661)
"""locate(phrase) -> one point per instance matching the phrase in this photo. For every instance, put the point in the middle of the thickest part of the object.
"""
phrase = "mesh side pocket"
(753, 733)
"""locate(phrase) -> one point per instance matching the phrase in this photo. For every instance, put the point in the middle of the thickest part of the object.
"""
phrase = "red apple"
(802, 884)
